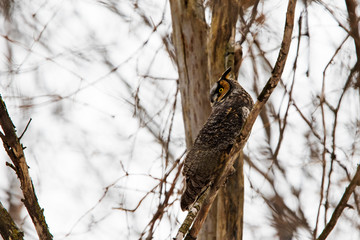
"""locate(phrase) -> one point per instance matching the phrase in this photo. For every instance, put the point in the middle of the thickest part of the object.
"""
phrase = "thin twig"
(323, 158)
(333, 134)
(27, 125)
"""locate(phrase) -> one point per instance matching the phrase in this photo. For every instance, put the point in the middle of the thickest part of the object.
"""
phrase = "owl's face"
(221, 89)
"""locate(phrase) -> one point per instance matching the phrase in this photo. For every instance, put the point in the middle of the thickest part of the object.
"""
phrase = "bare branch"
(15, 151)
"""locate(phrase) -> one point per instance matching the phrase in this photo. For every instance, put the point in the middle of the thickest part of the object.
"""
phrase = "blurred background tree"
(117, 90)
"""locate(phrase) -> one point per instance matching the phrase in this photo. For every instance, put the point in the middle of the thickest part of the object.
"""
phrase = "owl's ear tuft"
(226, 74)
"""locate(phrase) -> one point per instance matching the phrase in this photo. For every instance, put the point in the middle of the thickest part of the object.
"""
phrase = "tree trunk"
(189, 38)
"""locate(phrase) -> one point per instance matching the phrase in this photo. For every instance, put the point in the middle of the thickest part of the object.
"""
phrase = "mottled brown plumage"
(230, 106)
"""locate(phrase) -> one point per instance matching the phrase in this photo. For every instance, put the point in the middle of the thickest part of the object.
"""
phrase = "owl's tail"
(192, 191)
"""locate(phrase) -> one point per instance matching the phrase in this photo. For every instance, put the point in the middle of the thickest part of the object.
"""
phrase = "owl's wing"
(202, 163)
(200, 170)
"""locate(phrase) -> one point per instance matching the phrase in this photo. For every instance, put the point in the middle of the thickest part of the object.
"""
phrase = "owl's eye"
(221, 89)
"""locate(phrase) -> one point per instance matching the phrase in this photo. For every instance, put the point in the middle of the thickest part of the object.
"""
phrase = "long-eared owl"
(231, 105)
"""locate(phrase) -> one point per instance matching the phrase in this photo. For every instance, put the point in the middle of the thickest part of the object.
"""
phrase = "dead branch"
(262, 99)
(15, 151)
(341, 205)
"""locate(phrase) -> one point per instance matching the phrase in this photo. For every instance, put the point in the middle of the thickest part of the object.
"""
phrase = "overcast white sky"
(79, 145)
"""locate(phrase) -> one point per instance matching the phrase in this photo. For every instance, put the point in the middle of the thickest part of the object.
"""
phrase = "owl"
(231, 105)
